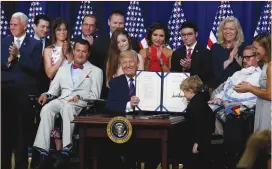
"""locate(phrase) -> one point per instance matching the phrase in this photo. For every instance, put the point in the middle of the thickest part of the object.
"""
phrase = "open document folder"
(160, 91)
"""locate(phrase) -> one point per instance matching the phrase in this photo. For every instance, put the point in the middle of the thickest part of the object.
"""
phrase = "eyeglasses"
(248, 57)
(183, 35)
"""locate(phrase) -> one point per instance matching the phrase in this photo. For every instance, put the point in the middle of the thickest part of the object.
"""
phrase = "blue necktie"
(131, 87)
(43, 42)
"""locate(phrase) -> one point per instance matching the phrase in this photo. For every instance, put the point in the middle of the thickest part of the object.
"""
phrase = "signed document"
(160, 91)
(148, 89)
(173, 97)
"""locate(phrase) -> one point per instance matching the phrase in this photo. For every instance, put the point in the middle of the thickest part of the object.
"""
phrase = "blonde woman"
(227, 52)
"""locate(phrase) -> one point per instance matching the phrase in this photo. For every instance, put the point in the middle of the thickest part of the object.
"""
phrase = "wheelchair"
(91, 108)
(228, 148)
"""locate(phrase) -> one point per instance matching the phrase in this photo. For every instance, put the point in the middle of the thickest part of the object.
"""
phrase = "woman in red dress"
(157, 55)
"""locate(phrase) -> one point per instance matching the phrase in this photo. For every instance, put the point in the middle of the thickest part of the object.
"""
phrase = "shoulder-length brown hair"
(114, 52)
(55, 25)
(264, 39)
(240, 35)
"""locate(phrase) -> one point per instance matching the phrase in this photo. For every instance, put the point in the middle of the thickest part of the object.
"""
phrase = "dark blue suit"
(16, 117)
(118, 94)
(24, 71)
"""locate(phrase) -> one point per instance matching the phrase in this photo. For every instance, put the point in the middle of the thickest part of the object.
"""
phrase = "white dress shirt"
(75, 74)
(20, 38)
(192, 47)
(251, 75)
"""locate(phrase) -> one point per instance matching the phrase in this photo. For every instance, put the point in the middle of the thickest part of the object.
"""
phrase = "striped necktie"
(131, 87)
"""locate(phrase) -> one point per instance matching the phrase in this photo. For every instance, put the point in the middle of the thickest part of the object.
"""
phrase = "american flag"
(134, 23)
(34, 10)
(85, 8)
(264, 24)
(223, 11)
(4, 24)
(174, 24)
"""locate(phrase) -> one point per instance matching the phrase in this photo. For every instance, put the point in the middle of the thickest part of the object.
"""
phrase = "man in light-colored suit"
(74, 83)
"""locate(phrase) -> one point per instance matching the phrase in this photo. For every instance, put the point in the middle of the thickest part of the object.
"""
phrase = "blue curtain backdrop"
(201, 13)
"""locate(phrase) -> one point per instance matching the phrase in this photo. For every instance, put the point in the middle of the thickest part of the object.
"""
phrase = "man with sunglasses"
(251, 73)
(235, 130)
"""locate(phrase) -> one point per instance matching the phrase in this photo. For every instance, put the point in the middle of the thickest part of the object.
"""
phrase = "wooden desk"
(94, 126)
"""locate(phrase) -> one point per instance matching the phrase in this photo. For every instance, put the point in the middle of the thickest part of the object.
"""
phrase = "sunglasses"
(248, 57)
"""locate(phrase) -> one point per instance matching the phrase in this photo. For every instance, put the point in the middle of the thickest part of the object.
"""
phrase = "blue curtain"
(201, 13)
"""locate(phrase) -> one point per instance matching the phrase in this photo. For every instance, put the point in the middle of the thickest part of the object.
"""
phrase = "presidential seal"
(119, 129)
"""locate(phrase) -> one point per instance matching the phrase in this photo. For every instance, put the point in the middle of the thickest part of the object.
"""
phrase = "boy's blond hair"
(191, 83)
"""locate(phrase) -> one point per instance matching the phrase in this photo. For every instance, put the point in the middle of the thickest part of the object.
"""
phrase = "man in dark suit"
(122, 99)
(88, 29)
(41, 29)
(122, 89)
(101, 46)
(21, 56)
(192, 57)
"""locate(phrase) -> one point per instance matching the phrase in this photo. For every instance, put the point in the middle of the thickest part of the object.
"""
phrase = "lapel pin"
(196, 51)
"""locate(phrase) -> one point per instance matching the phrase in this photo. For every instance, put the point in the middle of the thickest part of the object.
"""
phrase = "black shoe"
(43, 163)
(62, 161)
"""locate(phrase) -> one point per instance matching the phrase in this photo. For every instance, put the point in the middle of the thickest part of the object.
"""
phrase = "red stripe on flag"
(210, 43)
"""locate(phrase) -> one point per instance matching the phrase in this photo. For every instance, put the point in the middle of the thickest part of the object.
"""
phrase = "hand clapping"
(13, 51)
(90, 39)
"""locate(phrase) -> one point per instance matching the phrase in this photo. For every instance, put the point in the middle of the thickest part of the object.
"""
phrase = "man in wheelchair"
(225, 99)
(231, 107)
(74, 84)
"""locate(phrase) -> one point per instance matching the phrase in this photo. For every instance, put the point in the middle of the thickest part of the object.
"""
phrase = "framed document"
(160, 91)
(173, 97)
(148, 89)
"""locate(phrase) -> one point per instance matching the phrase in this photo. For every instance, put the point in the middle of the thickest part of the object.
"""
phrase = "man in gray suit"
(74, 83)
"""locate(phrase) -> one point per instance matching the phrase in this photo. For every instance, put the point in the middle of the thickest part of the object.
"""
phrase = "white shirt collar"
(21, 39)
(192, 47)
(36, 37)
(129, 78)
(110, 34)
(251, 69)
(83, 37)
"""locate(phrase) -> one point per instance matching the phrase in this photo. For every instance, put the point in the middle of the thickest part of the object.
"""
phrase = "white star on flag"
(264, 23)
(34, 10)
(4, 24)
(223, 11)
(85, 8)
(134, 23)
(174, 24)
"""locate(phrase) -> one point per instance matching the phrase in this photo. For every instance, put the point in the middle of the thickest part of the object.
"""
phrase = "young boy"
(200, 122)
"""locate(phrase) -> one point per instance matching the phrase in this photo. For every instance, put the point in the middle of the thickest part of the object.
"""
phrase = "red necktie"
(189, 53)
(74, 66)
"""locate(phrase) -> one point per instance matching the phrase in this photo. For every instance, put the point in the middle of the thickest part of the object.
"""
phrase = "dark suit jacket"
(201, 120)
(99, 57)
(201, 64)
(118, 94)
(24, 71)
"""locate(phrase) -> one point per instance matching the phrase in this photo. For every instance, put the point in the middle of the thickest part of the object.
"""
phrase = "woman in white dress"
(56, 55)
(120, 41)
(60, 51)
